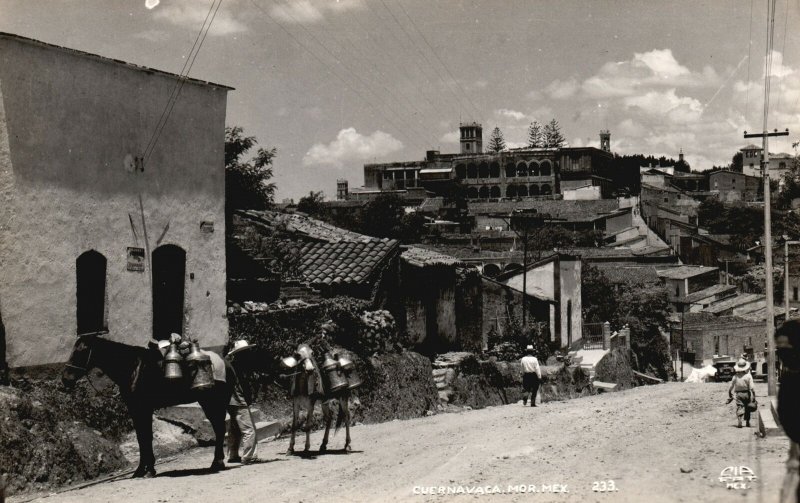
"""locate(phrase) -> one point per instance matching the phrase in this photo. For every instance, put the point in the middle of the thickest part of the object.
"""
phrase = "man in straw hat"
(742, 385)
(531, 376)
(241, 427)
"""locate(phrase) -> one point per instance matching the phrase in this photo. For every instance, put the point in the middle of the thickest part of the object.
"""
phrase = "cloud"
(152, 35)
(645, 71)
(562, 89)
(312, 11)
(667, 105)
(451, 137)
(513, 114)
(191, 14)
(350, 147)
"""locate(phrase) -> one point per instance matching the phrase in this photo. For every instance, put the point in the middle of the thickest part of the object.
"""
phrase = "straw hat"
(742, 365)
(240, 345)
(529, 347)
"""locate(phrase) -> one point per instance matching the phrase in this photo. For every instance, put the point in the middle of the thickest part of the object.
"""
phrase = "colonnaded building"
(518, 173)
(107, 223)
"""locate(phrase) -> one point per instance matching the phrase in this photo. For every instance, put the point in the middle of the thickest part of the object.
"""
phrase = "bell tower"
(471, 138)
(605, 140)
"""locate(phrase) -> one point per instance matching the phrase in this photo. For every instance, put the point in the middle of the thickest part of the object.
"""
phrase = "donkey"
(138, 374)
(308, 386)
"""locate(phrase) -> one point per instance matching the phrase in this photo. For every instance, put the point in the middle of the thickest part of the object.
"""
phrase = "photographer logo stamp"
(737, 477)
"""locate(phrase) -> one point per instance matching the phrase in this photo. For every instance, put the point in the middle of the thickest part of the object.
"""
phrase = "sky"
(334, 84)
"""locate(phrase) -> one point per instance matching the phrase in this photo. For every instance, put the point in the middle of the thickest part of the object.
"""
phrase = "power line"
(182, 83)
(434, 106)
(409, 101)
(424, 71)
(436, 55)
(332, 71)
(176, 85)
(783, 50)
(749, 49)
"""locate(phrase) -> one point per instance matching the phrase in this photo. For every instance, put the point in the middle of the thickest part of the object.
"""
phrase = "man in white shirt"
(531, 376)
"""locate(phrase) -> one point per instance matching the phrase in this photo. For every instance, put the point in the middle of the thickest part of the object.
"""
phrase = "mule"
(138, 374)
(307, 387)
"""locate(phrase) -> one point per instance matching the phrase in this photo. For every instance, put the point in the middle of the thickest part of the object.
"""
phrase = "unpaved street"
(661, 443)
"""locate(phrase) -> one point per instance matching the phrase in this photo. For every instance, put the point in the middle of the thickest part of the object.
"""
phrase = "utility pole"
(768, 287)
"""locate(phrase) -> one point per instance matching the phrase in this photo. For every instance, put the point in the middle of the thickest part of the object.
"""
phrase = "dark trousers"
(530, 384)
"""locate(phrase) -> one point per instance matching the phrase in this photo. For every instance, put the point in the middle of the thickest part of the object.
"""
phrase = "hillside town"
(171, 291)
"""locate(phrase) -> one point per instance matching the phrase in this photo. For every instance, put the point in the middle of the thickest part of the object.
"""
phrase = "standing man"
(531, 376)
(241, 427)
(787, 345)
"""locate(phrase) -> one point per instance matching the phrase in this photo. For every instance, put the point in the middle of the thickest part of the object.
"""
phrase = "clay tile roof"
(423, 257)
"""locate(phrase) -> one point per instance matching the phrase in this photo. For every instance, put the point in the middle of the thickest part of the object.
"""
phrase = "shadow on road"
(315, 454)
(188, 472)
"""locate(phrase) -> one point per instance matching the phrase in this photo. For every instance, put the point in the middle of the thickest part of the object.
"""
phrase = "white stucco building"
(98, 231)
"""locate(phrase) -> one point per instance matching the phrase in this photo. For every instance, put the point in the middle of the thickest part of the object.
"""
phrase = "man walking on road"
(241, 428)
(531, 376)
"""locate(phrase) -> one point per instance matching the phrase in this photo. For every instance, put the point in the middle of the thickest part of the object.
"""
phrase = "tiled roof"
(684, 271)
(423, 257)
(733, 302)
(624, 273)
(330, 255)
(693, 320)
(342, 262)
(571, 211)
(709, 292)
(760, 315)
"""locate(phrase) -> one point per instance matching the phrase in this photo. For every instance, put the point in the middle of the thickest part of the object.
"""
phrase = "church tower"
(605, 140)
(471, 138)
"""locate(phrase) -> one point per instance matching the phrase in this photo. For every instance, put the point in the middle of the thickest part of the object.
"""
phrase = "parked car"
(725, 368)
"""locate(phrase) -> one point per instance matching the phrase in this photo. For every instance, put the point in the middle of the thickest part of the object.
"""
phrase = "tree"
(645, 309)
(535, 135)
(247, 184)
(312, 203)
(597, 295)
(552, 135)
(496, 142)
(736, 162)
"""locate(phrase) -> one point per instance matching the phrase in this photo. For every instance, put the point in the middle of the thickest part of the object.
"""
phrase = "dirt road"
(661, 443)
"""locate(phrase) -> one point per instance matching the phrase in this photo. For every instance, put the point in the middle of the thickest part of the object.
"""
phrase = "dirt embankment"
(49, 438)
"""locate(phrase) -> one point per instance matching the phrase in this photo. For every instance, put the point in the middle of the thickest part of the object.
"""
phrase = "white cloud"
(645, 71)
(562, 89)
(312, 11)
(451, 137)
(513, 114)
(667, 105)
(152, 35)
(191, 14)
(351, 146)
(778, 69)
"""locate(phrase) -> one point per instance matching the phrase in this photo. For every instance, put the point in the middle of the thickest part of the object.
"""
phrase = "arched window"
(511, 191)
(522, 169)
(483, 170)
(511, 171)
(461, 171)
(495, 192)
(484, 192)
(533, 190)
(494, 169)
(522, 191)
(472, 193)
(169, 280)
(90, 272)
(491, 270)
(472, 170)
(546, 190)
(545, 168)
(533, 168)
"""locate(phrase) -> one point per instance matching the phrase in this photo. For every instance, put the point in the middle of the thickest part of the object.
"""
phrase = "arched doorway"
(484, 192)
(169, 277)
(90, 271)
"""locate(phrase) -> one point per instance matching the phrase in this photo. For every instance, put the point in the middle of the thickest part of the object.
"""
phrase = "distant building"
(513, 174)
(732, 186)
(98, 231)
(779, 164)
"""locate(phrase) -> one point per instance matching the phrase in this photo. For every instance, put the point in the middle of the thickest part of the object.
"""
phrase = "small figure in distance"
(531, 376)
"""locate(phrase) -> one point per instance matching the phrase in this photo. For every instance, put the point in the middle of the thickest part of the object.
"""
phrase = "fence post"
(626, 331)
(606, 335)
